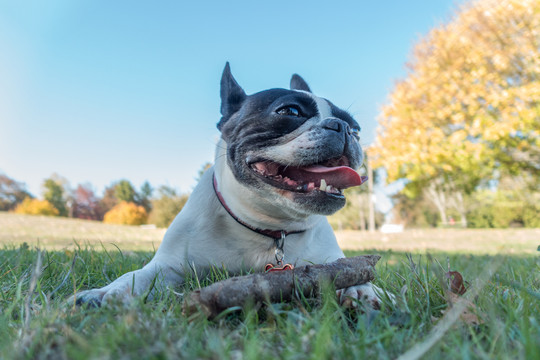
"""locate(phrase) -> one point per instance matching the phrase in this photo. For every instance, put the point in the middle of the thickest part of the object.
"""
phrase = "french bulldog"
(281, 165)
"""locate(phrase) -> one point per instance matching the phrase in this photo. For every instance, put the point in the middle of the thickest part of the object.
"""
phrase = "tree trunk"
(460, 207)
(439, 199)
(371, 199)
(361, 213)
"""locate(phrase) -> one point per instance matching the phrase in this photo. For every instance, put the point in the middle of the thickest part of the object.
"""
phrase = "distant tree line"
(121, 202)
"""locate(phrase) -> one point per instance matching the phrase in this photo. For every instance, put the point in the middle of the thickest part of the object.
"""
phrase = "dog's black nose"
(336, 124)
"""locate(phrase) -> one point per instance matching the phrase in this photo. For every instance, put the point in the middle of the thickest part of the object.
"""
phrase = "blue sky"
(98, 91)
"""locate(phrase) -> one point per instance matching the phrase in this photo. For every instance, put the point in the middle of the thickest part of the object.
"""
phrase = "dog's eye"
(289, 111)
(356, 133)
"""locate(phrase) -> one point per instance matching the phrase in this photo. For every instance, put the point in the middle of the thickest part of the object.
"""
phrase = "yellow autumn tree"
(469, 108)
(36, 207)
(126, 213)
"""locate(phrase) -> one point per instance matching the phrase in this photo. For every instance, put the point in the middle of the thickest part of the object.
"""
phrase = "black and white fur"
(254, 128)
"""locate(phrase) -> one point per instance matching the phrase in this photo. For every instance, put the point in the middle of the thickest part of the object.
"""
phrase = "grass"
(35, 322)
(515, 241)
(63, 233)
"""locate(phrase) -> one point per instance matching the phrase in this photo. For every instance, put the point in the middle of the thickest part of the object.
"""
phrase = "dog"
(281, 165)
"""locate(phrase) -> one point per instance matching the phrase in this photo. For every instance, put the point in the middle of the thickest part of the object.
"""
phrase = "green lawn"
(35, 322)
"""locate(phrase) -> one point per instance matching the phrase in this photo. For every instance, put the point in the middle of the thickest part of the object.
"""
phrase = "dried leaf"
(456, 282)
(468, 316)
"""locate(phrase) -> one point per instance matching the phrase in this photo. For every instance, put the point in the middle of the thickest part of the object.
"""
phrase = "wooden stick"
(279, 286)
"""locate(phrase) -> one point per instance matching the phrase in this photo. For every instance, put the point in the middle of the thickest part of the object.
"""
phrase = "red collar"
(274, 234)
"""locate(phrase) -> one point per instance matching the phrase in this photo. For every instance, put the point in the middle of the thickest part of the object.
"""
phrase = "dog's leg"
(367, 294)
(126, 287)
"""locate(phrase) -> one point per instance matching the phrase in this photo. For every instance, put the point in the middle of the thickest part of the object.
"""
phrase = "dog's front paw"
(102, 296)
(367, 295)
(122, 290)
(89, 298)
(127, 287)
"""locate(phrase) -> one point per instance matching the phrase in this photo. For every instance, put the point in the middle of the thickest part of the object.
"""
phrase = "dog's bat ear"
(232, 95)
(297, 83)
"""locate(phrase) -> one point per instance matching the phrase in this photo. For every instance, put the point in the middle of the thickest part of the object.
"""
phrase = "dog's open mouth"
(331, 176)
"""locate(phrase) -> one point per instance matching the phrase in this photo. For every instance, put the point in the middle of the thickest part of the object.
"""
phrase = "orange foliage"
(469, 105)
(126, 213)
(36, 207)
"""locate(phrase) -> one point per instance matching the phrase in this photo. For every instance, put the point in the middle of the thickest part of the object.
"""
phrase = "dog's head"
(290, 146)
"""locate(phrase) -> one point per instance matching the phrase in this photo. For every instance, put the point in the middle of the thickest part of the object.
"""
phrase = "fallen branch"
(279, 286)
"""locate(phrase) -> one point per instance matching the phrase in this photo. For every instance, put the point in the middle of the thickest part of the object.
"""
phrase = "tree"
(12, 193)
(166, 206)
(124, 191)
(469, 109)
(53, 192)
(85, 203)
(145, 195)
(107, 202)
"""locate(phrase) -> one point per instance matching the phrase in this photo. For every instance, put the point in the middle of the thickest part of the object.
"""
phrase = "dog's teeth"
(259, 167)
(332, 190)
(323, 185)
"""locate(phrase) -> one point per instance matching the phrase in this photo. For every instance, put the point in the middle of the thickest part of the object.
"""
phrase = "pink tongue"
(340, 177)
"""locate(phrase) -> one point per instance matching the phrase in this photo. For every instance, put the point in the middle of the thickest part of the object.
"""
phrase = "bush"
(503, 209)
(531, 216)
(166, 207)
(126, 213)
(481, 217)
(507, 214)
(36, 207)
